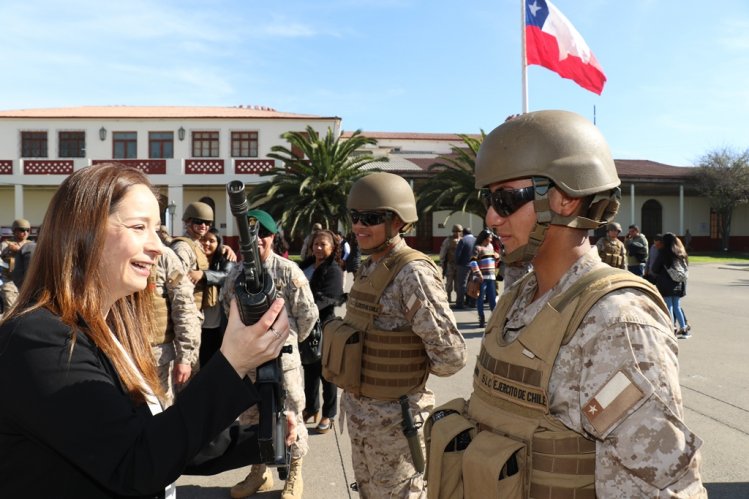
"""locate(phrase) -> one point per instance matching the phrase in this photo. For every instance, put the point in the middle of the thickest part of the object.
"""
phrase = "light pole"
(171, 208)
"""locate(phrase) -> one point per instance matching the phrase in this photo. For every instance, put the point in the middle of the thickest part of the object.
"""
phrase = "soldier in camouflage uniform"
(611, 249)
(9, 251)
(447, 260)
(175, 339)
(609, 385)
(293, 287)
(382, 208)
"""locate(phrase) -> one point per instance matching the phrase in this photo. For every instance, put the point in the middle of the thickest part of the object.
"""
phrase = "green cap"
(265, 220)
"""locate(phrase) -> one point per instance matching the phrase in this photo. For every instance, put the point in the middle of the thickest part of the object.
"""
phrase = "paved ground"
(714, 378)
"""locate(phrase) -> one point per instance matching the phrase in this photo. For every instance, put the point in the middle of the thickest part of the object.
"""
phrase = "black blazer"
(69, 430)
(326, 285)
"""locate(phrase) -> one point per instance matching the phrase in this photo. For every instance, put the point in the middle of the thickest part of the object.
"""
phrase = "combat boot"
(259, 479)
(294, 483)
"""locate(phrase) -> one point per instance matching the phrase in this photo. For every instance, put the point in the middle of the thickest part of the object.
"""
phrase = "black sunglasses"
(198, 221)
(19, 229)
(368, 218)
(507, 201)
(262, 232)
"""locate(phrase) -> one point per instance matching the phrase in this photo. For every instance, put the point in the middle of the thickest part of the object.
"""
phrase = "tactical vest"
(163, 329)
(510, 400)
(393, 363)
(611, 252)
(201, 293)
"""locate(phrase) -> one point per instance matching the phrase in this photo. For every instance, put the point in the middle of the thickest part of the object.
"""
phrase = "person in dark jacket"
(80, 415)
(214, 320)
(463, 254)
(323, 270)
(670, 270)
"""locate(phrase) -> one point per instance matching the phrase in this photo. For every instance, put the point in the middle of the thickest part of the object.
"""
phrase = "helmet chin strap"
(602, 210)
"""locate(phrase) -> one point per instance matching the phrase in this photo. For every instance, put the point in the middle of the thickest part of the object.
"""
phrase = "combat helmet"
(199, 210)
(21, 223)
(614, 226)
(382, 191)
(555, 149)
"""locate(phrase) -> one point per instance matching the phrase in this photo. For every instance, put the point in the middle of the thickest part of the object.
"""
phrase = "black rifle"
(411, 431)
(255, 291)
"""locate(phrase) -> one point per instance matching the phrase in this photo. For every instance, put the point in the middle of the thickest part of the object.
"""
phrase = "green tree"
(723, 177)
(313, 187)
(453, 186)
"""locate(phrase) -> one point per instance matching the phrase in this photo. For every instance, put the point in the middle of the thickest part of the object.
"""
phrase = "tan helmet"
(21, 223)
(457, 228)
(199, 210)
(383, 191)
(614, 226)
(559, 145)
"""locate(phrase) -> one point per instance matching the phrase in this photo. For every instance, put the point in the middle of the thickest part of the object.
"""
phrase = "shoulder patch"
(612, 402)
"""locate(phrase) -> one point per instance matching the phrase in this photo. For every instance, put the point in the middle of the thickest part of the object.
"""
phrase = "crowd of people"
(665, 264)
(133, 344)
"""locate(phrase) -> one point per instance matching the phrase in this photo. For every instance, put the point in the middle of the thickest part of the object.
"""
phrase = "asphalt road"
(714, 375)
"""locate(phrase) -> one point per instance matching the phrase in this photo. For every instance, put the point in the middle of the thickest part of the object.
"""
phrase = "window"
(72, 144)
(34, 144)
(160, 145)
(244, 144)
(205, 144)
(125, 145)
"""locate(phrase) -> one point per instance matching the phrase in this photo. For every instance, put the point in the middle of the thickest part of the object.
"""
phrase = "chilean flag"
(552, 42)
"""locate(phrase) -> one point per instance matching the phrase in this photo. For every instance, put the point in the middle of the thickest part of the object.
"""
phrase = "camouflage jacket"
(648, 451)
(293, 287)
(186, 320)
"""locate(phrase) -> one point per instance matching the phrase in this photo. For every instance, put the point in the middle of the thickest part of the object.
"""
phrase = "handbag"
(678, 272)
(310, 350)
(473, 289)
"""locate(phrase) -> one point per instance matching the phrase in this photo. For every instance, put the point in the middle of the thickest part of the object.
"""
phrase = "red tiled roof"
(643, 168)
(166, 112)
(409, 135)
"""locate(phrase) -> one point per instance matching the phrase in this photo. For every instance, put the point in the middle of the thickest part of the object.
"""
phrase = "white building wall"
(178, 186)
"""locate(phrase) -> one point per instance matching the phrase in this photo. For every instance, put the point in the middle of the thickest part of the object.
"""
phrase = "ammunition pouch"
(342, 355)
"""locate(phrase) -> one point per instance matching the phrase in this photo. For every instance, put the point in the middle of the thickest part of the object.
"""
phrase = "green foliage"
(452, 186)
(314, 187)
(723, 178)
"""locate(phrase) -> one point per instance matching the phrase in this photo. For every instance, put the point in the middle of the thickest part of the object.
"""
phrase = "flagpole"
(524, 71)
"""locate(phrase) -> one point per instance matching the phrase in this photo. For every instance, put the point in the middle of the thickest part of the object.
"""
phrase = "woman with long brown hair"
(80, 415)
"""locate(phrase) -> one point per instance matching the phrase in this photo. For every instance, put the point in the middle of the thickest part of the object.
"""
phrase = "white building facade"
(188, 152)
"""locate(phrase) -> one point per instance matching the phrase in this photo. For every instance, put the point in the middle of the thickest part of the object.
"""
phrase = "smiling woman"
(82, 416)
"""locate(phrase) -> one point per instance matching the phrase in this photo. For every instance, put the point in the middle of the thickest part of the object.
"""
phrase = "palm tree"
(313, 187)
(452, 187)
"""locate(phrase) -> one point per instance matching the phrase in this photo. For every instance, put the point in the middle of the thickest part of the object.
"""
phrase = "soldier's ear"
(563, 204)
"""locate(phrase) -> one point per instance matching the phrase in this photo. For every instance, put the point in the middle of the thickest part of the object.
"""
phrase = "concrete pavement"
(714, 375)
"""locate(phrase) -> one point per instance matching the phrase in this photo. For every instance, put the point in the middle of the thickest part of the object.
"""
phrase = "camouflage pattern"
(649, 451)
(612, 252)
(186, 320)
(381, 458)
(447, 261)
(8, 289)
(293, 287)
(515, 271)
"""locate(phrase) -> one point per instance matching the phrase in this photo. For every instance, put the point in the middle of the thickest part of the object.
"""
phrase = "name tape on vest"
(498, 386)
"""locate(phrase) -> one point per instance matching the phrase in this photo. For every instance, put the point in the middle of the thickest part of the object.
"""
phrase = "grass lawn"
(719, 257)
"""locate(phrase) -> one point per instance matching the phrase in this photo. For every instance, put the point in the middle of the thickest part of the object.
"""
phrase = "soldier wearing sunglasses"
(576, 388)
(399, 308)
(9, 252)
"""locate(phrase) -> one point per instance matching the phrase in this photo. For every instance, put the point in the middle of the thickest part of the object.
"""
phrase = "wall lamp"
(102, 133)
(181, 133)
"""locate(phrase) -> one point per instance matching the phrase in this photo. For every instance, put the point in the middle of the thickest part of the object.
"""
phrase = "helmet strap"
(390, 238)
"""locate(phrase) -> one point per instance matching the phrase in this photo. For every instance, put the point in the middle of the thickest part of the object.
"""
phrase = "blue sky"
(677, 70)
